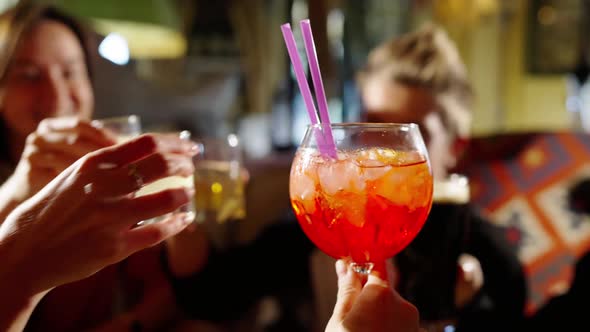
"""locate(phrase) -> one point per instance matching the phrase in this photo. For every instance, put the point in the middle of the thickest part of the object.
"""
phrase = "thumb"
(349, 288)
(385, 271)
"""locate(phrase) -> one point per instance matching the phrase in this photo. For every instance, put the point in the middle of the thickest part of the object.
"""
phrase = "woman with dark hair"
(43, 74)
(46, 103)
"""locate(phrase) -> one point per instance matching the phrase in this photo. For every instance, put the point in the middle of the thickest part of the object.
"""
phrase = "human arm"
(155, 312)
(18, 303)
(85, 219)
(146, 298)
(55, 145)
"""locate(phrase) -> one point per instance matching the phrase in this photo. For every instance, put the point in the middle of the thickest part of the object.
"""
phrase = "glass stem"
(364, 268)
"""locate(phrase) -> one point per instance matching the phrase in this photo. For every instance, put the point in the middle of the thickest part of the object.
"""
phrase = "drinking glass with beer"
(219, 186)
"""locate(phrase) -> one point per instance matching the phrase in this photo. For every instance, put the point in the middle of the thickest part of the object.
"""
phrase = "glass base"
(364, 269)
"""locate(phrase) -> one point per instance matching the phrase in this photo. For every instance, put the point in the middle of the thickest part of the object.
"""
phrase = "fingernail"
(341, 268)
(97, 124)
(193, 147)
(190, 191)
(188, 217)
(185, 135)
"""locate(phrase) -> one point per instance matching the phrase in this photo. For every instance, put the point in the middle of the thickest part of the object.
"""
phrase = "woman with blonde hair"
(460, 270)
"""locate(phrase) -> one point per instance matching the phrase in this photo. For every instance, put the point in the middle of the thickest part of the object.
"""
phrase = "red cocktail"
(369, 202)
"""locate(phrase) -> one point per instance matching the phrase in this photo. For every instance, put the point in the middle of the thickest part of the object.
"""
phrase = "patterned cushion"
(521, 182)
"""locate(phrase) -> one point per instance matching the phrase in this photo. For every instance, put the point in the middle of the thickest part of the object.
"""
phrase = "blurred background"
(221, 66)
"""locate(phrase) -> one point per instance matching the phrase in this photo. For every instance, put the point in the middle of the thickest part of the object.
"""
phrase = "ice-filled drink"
(371, 200)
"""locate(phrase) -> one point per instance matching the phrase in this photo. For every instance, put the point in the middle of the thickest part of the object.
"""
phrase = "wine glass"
(369, 202)
(124, 127)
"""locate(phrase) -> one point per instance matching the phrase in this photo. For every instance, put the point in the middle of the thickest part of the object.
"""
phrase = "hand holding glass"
(171, 182)
(126, 128)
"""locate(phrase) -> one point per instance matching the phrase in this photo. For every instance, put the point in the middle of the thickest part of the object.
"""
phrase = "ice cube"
(393, 186)
(342, 155)
(338, 176)
(349, 207)
(374, 173)
(407, 185)
(387, 154)
(303, 188)
(375, 157)
(329, 181)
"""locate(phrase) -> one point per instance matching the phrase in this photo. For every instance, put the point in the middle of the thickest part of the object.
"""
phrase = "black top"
(277, 263)
(428, 270)
(569, 311)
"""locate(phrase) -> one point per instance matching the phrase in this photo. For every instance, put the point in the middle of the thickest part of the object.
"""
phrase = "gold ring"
(134, 173)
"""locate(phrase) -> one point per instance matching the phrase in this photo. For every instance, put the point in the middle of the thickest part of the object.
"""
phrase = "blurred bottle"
(281, 119)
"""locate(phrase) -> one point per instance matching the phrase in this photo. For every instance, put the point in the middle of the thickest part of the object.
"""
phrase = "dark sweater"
(277, 264)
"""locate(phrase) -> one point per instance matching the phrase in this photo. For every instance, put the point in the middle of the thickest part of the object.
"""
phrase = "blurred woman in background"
(46, 103)
(459, 271)
(420, 78)
(43, 74)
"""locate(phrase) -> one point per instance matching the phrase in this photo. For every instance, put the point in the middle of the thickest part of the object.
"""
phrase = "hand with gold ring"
(139, 181)
(85, 219)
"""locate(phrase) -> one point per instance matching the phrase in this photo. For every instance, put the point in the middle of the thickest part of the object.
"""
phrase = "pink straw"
(318, 84)
(304, 87)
